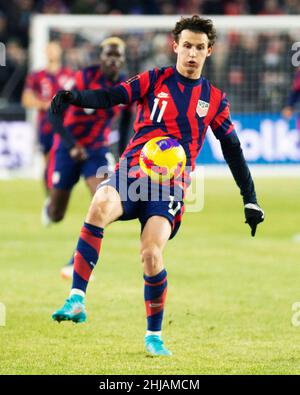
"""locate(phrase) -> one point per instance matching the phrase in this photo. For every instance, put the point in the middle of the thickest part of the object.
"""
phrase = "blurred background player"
(40, 87)
(83, 147)
(290, 108)
(293, 99)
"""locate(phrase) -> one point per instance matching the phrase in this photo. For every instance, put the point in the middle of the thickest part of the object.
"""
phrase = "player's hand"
(78, 153)
(287, 112)
(45, 105)
(60, 101)
(254, 215)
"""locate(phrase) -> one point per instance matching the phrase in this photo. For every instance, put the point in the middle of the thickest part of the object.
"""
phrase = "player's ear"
(175, 47)
(209, 51)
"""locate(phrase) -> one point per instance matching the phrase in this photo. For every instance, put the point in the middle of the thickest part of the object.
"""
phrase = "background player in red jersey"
(294, 96)
(293, 99)
(40, 87)
(84, 147)
(191, 105)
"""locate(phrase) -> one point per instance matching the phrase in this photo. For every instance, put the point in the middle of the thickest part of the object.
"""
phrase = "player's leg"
(105, 208)
(91, 171)
(62, 174)
(67, 270)
(46, 161)
(97, 167)
(45, 142)
(58, 204)
(154, 237)
(92, 183)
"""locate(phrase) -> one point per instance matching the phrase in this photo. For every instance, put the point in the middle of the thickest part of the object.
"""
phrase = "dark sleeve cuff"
(234, 157)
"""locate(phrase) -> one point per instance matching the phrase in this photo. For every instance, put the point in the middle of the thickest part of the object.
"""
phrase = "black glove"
(56, 118)
(61, 101)
(254, 215)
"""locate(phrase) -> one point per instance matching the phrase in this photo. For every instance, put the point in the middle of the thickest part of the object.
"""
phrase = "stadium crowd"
(230, 70)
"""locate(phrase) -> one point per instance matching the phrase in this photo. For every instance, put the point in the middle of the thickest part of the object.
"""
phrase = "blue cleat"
(155, 346)
(72, 310)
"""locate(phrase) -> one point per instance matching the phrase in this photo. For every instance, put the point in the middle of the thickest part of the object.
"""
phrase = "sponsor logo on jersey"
(163, 95)
(89, 111)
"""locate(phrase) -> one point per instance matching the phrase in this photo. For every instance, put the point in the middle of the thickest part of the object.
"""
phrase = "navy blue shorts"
(142, 200)
(45, 142)
(64, 172)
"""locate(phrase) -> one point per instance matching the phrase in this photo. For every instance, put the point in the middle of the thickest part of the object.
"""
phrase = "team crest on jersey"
(202, 108)
(66, 82)
(55, 177)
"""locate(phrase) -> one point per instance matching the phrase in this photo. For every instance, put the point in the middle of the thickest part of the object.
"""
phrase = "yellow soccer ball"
(162, 158)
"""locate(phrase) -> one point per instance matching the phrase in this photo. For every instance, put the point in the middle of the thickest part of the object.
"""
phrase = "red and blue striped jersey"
(294, 95)
(172, 105)
(45, 85)
(91, 127)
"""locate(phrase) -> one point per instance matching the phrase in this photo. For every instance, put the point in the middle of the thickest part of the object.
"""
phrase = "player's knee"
(56, 214)
(151, 258)
(100, 209)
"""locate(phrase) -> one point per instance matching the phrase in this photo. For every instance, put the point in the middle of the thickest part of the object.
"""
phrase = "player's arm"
(124, 93)
(235, 159)
(76, 151)
(233, 155)
(30, 98)
(124, 129)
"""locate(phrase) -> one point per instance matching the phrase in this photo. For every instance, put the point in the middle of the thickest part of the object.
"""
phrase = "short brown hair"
(198, 25)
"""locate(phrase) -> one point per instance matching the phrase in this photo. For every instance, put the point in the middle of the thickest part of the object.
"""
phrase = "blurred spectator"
(273, 80)
(134, 55)
(193, 7)
(234, 83)
(3, 28)
(250, 55)
(160, 52)
(168, 8)
(291, 7)
(18, 19)
(213, 7)
(12, 76)
(90, 6)
(52, 7)
(271, 7)
(236, 7)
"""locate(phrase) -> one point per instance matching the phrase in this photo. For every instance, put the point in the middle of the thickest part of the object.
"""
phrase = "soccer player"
(178, 102)
(293, 99)
(40, 87)
(83, 147)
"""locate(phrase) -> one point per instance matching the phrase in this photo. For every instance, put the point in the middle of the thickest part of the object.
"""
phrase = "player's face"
(54, 52)
(192, 50)
(112, 59)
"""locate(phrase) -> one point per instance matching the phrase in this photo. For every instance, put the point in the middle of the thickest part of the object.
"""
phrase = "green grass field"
(230, 297)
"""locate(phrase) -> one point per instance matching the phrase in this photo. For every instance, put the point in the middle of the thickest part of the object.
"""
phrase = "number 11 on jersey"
(162, 110)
